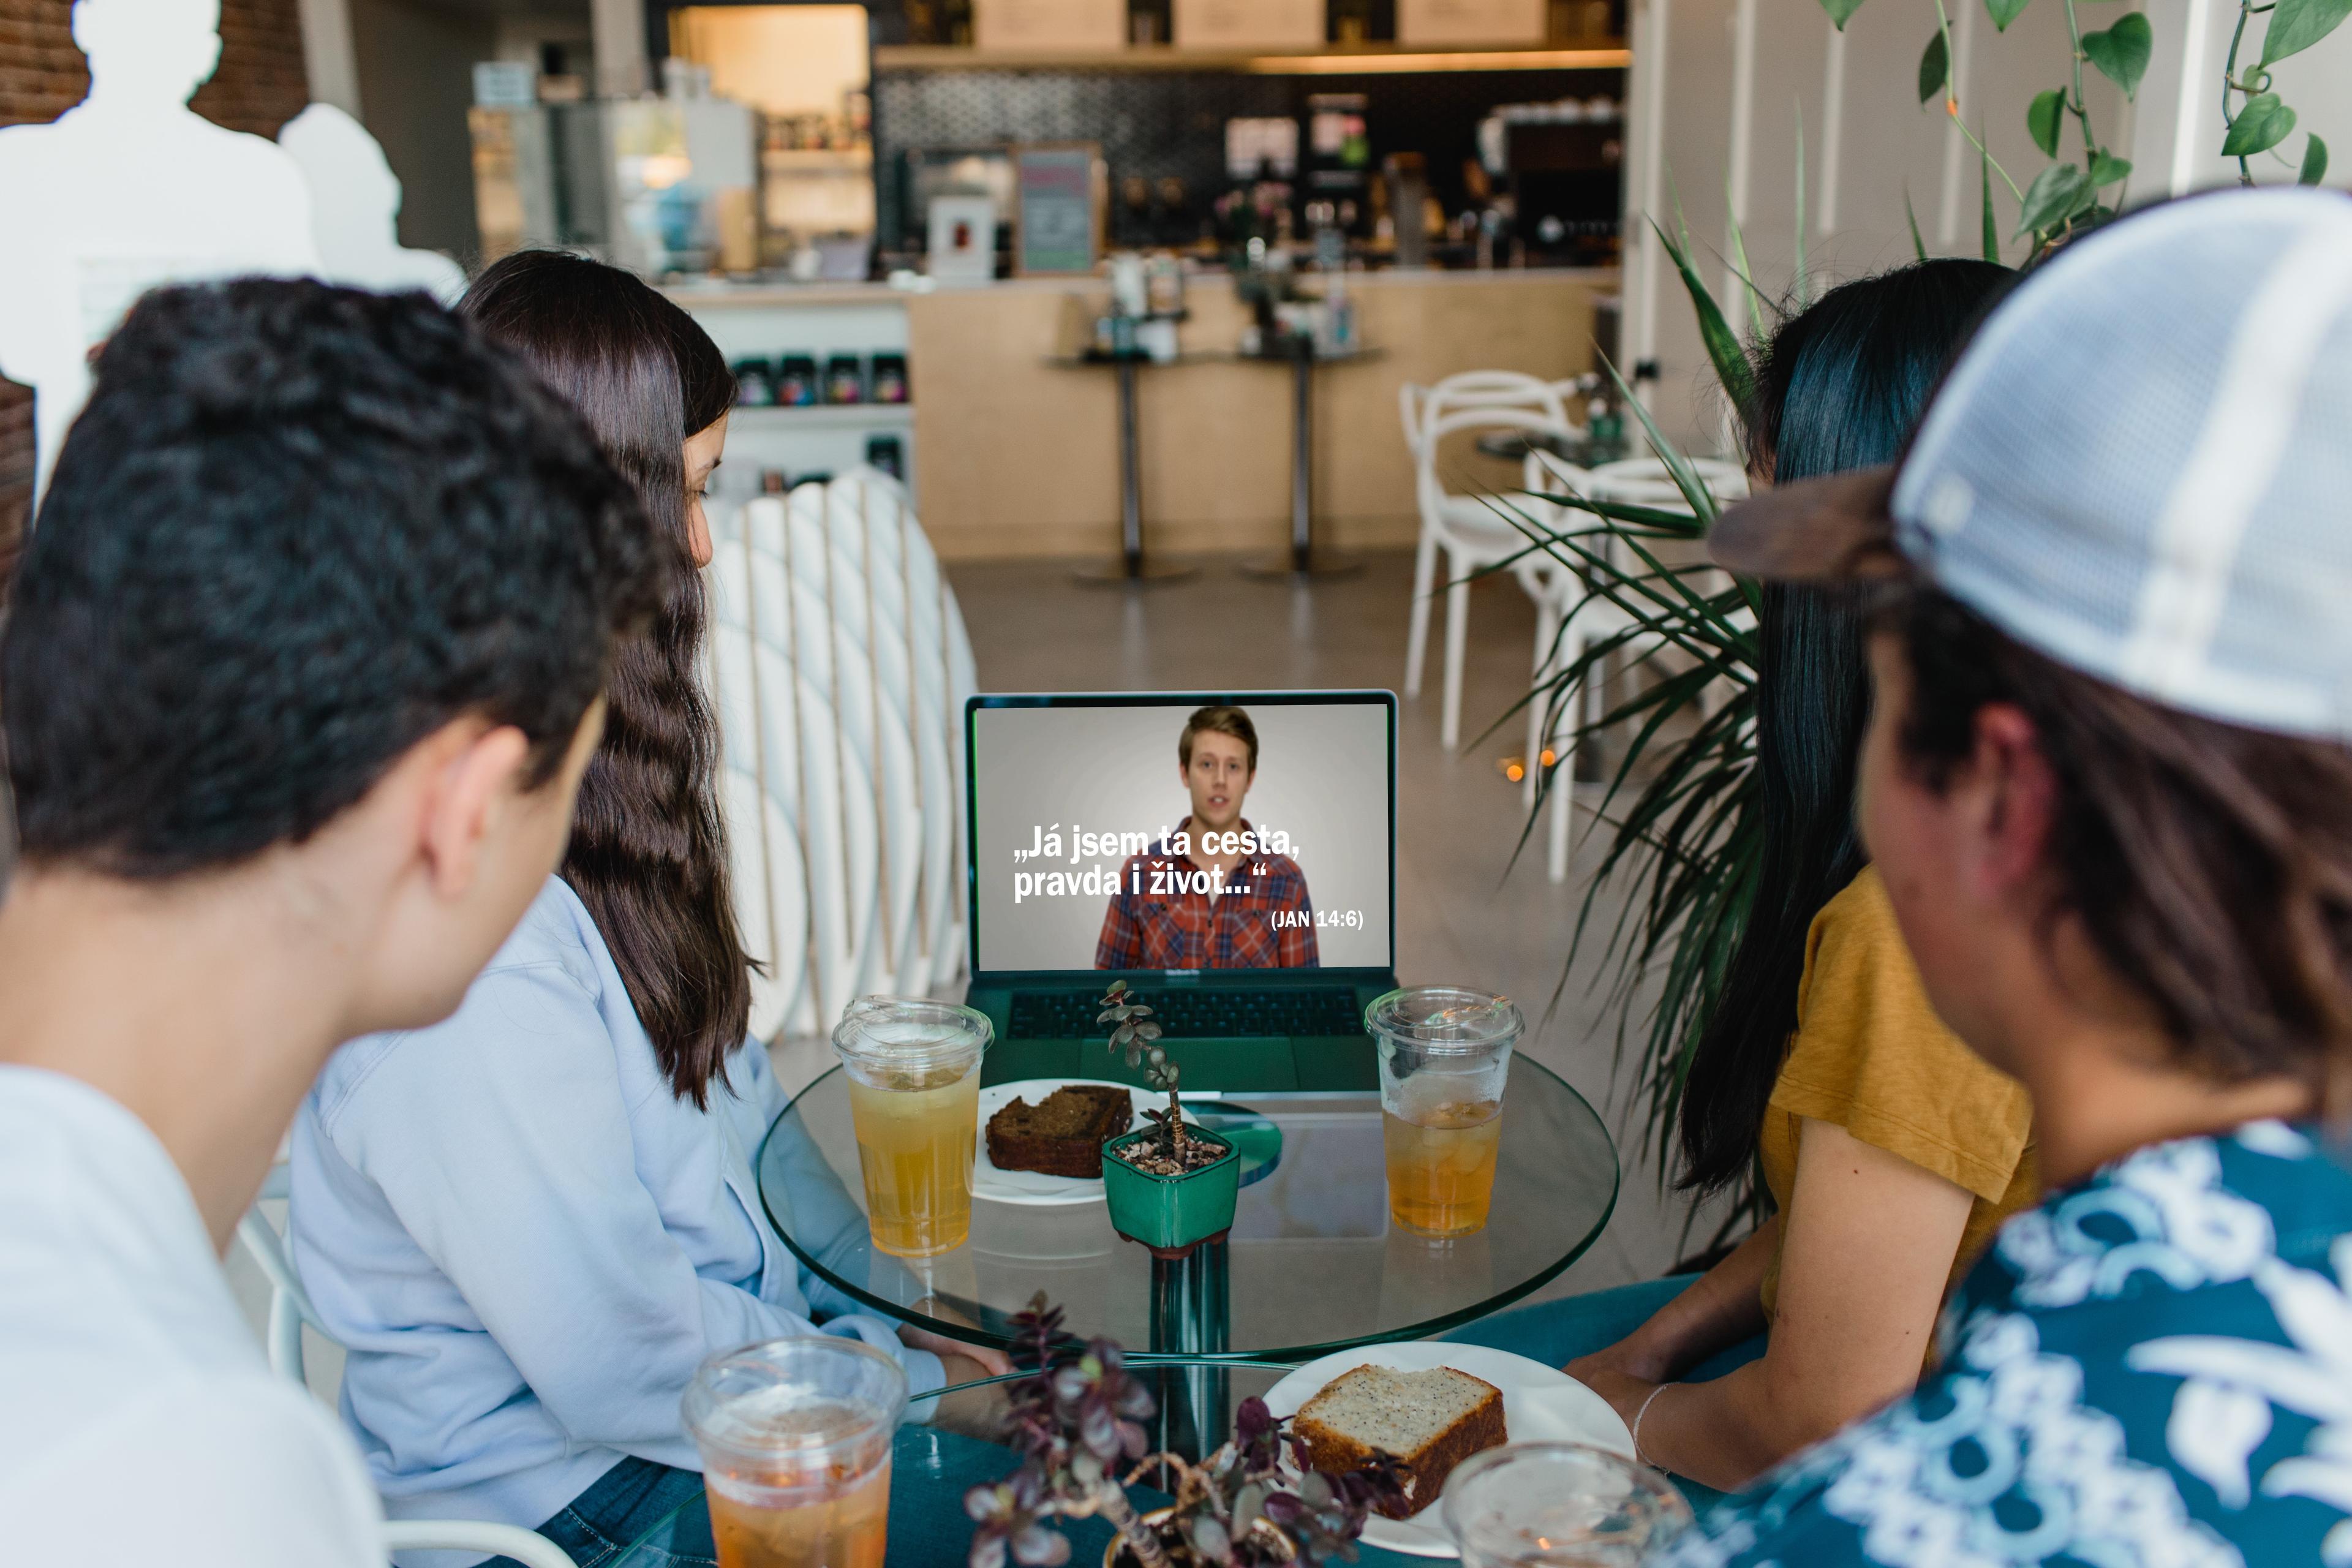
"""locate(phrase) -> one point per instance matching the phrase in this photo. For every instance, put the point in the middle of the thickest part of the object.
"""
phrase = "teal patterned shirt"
(2152, 1368)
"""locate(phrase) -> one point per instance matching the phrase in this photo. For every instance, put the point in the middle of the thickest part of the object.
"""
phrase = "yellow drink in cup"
(821, 1522)
(915, 1148)
(1445, 1057)
(914, 1104)
(1442, 1169)
(795, 1443)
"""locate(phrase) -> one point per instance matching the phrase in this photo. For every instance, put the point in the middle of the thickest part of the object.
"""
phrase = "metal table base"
(1301, 558)
(1130, 565)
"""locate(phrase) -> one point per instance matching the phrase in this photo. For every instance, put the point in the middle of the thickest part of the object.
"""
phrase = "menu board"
(1049, 24)
(1249, 24)
(1427, 22)
(1057, 208)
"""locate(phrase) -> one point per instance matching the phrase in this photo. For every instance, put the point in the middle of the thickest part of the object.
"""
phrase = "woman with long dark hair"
(1890, 1151)
(528, 1224)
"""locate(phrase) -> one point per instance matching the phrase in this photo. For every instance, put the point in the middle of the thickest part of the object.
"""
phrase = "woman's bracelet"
(1638, 1415)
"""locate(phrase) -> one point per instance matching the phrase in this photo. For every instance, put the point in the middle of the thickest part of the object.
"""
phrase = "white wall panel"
(1716, 107)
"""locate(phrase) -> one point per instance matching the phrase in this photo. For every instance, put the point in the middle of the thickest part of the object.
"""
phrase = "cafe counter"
(1013, 451)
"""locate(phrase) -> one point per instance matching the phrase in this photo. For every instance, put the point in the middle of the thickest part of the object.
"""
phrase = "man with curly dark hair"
(302, 668)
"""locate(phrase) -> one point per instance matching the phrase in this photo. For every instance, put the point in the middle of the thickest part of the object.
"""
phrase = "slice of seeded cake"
(1062, 1134)
(1431, 1420)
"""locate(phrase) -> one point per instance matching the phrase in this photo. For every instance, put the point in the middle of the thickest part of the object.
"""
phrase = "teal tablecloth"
(931, 1471)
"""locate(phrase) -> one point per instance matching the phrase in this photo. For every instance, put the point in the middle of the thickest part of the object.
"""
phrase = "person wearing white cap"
(2108, 783)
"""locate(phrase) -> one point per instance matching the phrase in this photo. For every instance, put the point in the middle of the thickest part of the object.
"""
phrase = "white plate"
(1034, 1188)
(1570, 1413)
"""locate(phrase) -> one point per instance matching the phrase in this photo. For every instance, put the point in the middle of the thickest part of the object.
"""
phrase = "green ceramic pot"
(1172, 1214)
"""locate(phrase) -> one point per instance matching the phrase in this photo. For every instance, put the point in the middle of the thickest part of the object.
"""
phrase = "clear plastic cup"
(1445, 1055)
(796, 1442)
(914, 1101)
(1558, 1505)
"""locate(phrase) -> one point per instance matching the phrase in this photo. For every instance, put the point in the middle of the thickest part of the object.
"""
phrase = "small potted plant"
(1170, 1187)
(1077, 1419)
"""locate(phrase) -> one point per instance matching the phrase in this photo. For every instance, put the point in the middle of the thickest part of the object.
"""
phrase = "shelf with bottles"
(1599, 53)
(803, 383)
(828, 416)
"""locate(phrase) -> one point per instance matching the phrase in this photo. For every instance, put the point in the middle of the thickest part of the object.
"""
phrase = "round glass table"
(1312, 1264)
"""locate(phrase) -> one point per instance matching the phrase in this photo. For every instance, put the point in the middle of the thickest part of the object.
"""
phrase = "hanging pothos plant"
(2068, 196)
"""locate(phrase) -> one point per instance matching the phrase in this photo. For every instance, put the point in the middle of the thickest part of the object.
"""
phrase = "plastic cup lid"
(810, 1395)
(911, 1032)
(1443, 1019)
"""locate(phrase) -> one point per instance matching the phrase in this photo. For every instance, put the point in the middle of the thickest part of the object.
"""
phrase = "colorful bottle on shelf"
(796, 381)
(844, 379)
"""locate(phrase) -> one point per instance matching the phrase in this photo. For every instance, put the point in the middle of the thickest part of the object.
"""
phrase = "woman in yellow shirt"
(1891, 1151)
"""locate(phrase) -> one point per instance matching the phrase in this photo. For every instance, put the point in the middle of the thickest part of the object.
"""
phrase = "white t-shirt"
(138, 1422)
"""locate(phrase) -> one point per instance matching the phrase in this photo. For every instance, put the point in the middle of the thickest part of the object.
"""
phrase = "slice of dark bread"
(1062, 1134)
(1431, 1420)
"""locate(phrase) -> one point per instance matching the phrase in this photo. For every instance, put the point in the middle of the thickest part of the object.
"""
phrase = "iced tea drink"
(1445, 1057)
(913, 1103)
(915, 1145)
(795, 1443)
(818, 1523)
(1442, 1166)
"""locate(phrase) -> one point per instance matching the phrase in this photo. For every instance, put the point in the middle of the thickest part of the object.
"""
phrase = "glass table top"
(1312, 1263)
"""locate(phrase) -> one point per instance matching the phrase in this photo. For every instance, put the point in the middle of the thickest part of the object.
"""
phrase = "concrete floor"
(1466, 914)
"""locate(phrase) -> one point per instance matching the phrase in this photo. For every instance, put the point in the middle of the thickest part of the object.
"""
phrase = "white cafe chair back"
(289, 1309)
(910, 602)
(814, 585)
(837, 667)
(1465, 527)
(770, 881)
(816, 775)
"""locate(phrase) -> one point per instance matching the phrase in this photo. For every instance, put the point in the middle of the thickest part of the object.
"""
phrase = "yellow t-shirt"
(1870, 1056)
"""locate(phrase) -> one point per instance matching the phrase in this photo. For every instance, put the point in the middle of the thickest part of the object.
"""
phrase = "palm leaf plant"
(1681, 805)
(1681, 808)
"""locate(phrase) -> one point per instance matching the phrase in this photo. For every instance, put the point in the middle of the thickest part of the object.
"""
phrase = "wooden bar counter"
(1016, 456)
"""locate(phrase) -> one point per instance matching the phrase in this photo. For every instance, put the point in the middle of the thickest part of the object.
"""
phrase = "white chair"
(769, 873)
(289, 1309)
(939, 678)
(1569, 620)
(817, 777)
(833, 600)
(1467, 527)
(868, 605)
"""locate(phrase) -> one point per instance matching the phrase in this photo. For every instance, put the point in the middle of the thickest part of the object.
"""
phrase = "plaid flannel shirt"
(1149, 928)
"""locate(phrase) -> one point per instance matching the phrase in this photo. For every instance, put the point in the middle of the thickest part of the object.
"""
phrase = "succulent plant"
(1135, 1037)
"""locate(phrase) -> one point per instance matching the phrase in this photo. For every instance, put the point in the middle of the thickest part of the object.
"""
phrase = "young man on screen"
(1222, 900)
(2108, 786)
(301, 667)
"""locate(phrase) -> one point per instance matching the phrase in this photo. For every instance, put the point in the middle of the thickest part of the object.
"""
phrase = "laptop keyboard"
(1207, 1013)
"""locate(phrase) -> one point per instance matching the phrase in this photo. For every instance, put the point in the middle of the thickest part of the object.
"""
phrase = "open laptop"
(1125, 837)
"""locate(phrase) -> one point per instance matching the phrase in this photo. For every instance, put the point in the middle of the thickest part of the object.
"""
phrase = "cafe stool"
(289, 1309)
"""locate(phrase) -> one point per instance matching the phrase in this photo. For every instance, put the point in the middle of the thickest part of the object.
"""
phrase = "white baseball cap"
(2141, 467)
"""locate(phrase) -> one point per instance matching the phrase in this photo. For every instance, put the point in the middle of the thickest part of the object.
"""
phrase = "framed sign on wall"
(1249, 24)
(1473, 22)
(1061, 195)
(1049, 24)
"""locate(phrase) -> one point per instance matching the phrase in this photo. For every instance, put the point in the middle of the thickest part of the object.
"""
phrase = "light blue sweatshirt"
(527, 1242)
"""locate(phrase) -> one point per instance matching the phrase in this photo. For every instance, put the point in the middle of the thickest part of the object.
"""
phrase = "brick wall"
(259, 87)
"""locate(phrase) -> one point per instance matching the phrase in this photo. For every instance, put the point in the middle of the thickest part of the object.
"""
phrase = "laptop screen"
(1183, 831)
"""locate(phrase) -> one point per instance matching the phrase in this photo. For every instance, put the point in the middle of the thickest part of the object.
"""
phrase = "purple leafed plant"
(1076, 1422)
